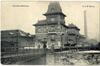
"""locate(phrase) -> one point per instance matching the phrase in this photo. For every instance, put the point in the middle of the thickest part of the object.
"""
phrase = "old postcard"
(50, 32)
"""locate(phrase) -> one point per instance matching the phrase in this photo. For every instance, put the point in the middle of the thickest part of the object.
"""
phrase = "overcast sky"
(22, 15)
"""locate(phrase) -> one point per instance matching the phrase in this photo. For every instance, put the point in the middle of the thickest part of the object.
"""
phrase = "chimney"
(85, 24)
(99, 22)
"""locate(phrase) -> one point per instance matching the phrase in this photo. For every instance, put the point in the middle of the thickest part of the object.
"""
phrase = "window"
(52, 19)
(52, 10)
(53, 38)
(12, 44)
(52, 28)
(39, 29)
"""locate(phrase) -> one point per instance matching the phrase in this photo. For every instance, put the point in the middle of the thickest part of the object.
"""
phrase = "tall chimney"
(85, 24)
(99, 22)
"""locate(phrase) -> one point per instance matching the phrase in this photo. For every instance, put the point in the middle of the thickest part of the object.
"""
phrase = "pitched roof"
(54, 8)
(46, 22)
(73, 26)
(17, 32)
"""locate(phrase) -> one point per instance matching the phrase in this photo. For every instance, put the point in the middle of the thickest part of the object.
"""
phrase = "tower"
(54, 12)
(51, 29)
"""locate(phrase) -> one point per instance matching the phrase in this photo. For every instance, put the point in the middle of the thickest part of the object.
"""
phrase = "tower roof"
(73, 26)
(54, 8)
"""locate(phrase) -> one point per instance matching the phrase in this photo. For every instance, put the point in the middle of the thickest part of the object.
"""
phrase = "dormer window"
(52, 10)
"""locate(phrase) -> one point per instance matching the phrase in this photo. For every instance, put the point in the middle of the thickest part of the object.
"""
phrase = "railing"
(23, 52)
(22, 56)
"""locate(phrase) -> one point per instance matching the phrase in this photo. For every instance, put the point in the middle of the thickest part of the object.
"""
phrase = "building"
(16, 40)
(73, 35)
(52, 31)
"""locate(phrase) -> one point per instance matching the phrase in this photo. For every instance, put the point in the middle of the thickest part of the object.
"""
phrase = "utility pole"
(85, 24)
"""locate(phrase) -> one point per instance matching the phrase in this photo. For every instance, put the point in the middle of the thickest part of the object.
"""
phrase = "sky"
(22, 15)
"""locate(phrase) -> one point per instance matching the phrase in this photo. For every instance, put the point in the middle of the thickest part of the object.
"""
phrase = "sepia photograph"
(50, 32)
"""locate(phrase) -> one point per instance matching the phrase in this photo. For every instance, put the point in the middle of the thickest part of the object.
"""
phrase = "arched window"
(52, 10)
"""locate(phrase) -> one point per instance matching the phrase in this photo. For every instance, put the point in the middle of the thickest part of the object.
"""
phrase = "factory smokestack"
(99, 22)
(85, 24)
